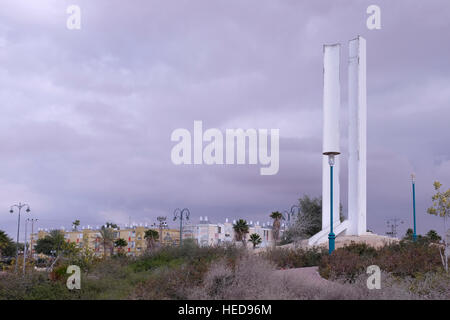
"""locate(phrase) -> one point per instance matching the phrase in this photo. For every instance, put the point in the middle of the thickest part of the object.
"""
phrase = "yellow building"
(135, 237)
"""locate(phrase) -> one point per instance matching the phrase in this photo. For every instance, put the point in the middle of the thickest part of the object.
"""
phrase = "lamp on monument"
(331, 235)
(331, 106)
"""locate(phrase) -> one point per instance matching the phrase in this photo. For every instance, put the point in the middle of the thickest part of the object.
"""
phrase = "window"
(219, 229)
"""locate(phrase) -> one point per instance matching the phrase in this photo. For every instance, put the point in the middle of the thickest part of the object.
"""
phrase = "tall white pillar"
(331, 138)
(357, 136)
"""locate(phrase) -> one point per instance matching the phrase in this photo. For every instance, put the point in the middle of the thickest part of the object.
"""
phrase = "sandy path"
(308, 276)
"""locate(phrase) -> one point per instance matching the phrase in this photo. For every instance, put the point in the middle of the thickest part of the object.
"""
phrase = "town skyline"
(87, 117)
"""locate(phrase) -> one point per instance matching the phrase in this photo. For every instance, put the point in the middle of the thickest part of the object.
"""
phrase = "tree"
(107, 238)
(119, 244)
(433, 236)
(111, 225)
(241, 229)
(6, 244)
(276, 216)
(55, 242)
(151, 236)
(255, 239)
(75, 225)
(44, 245)
(308, 221)
(430, 237)
(409, 235)
(441, 208)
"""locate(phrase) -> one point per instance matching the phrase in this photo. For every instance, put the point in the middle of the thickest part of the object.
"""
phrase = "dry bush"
(251, 278)
(256, 278)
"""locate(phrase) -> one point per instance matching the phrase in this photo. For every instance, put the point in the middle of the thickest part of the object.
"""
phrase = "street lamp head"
(11, 211)
(331, 153)
(413, 177)
(331, 157)
(28, 210)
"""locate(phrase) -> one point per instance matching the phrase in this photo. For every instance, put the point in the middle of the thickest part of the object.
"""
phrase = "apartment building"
(207, 233)
(90, 237)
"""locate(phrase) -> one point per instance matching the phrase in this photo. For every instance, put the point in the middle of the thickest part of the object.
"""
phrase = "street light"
(413, 179)
(331, 235)
(18, 206)
(181, 214)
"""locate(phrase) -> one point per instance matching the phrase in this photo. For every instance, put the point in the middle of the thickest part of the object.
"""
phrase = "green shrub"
(401, 259)
(294, 257)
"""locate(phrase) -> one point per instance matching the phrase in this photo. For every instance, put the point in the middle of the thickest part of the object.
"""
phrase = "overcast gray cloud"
(86, 115)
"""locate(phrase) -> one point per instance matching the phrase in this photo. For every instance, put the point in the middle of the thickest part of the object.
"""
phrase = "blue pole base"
(414, 237)
(331, 238)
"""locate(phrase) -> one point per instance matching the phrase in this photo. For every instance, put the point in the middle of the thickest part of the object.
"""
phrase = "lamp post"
(331, 235)
(18, 206)
(413, 179)
(182, 215)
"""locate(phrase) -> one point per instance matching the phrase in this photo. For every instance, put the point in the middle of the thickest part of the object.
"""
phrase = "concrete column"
(357, 136)
(331, 137)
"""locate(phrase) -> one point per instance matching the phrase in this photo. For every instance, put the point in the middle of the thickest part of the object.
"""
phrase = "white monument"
(356, 222)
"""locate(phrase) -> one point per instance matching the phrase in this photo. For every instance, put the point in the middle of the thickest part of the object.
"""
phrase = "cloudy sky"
(86, 115)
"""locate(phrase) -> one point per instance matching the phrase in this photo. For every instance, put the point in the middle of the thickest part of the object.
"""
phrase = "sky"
(86, 115)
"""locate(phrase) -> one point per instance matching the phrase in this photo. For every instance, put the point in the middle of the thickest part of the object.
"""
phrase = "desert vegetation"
(410, 271)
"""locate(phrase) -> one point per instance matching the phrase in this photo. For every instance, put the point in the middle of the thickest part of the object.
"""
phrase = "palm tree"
(151, 236)
(255, 239)
(276, 216)
(111, 225)
(75, 225)
(5, 242)
(241, 229)
(107, 236)
(119, 244)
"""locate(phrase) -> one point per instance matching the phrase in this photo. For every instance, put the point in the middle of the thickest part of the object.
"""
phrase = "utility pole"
(32, 237)
(413, 179)
(162, 224)
(25, 247)
(393, 224)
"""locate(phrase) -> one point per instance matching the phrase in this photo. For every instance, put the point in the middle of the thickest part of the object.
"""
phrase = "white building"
(207, 233)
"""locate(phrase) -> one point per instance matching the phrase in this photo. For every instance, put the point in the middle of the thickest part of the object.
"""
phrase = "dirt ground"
(306, 276)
